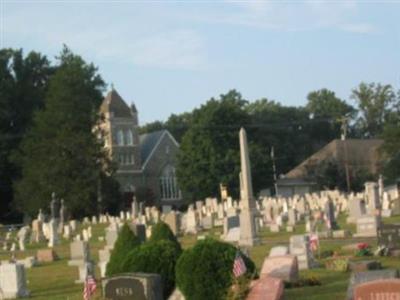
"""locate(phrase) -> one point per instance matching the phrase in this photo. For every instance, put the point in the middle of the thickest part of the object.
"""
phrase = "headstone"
(389, 236)
(46, 255)
(283, 267)
(278, 251)
(135, 286)
(171, 219)
(266, 288)
(85, 269)
(79, 253)
(300, 246)
(388, 289)
(367, 226)
(53, 239)
(368, 276)
(12, 281)
(139, 230)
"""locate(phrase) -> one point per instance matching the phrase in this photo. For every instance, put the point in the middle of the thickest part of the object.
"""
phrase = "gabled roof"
(113, 103)
(357, 153)
(149, 143)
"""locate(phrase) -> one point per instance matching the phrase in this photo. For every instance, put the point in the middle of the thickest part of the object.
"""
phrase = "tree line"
(49, 141)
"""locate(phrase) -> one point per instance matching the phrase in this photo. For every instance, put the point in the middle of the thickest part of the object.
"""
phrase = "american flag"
(89, 288)
(239, 268)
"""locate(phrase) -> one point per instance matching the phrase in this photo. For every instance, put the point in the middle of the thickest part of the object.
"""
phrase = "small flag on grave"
(239, 267)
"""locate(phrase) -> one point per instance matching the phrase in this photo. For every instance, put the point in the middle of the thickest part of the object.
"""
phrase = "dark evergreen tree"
(62, 152)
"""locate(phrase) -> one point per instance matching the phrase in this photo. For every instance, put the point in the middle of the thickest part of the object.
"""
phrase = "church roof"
(113, 103)
(148, 141)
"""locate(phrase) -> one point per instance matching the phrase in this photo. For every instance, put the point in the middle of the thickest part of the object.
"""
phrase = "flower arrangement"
(363, 250)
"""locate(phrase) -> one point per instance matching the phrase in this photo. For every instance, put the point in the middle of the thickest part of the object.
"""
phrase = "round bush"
(124, 244)
(161, 231)
(158, 257)
(205, 270)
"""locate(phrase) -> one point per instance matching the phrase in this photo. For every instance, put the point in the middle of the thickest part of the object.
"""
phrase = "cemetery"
(323, 245)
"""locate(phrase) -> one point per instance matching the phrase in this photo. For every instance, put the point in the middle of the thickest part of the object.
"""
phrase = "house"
(355, 154)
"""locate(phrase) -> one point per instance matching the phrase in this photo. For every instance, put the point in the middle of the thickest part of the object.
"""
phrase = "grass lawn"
(56, 280)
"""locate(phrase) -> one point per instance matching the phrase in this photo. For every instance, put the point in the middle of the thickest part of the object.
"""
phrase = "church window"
(120, 138)
(129, 137)
(168, 184)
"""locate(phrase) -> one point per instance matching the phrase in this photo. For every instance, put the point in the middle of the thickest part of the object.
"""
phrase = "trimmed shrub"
(124, 244)
(161, 231)
(158, 257)
(205, 270)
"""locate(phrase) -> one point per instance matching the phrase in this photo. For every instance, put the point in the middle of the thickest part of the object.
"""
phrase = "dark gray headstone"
(362, 277)
(133, 286)
(140, 231)
(389, 236)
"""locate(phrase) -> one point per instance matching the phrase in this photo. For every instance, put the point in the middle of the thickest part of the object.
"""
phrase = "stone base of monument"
(133, 286)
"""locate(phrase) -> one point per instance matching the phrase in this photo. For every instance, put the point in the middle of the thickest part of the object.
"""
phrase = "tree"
(23, 84)
(391, 145)
(61, 153)
(375, 103)
(209, 152)
(125, 243)
(327, 111)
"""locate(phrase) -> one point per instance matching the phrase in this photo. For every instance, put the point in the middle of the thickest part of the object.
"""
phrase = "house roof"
(113, 103)
(358, 153)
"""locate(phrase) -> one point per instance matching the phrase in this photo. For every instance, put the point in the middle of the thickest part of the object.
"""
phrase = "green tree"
(327, 111)
(23, 83)
(62, 153)
(375, 104)
(125, 243)
(391, 144)
(209, 152)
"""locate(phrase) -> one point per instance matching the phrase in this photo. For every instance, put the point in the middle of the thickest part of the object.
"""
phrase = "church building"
(146, 163)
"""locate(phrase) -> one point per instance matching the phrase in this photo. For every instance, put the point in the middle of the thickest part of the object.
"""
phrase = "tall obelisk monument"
(247, 221)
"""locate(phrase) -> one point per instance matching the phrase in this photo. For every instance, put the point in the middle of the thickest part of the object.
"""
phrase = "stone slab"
(266, 288)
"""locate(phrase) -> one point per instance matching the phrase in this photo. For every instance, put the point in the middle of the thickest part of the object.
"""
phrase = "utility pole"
(343, 127)
(274, 170)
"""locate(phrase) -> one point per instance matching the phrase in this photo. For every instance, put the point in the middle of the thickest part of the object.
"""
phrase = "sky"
(172, 56)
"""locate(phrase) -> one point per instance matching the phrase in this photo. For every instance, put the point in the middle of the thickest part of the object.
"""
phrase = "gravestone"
(12, 281)
(79, 251)
(388, 289)
(134, 286)
(278, 251)
(367, 226)
(139, 230)
(358, 278)
(300, 246)
(171, 219)
(389, 236)
(330, 219)
(46, 255)
(266, 288)
(283, 267)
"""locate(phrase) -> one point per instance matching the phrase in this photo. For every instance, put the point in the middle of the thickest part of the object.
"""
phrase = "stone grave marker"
(358, 278)
(13, 281)
(266, 288)
(388, 289)
(134, 286)
(283, 267)
(46, 255)
(389, 236)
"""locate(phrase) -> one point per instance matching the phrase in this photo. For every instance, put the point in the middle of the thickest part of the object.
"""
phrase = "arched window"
(120, 137)
(168, 184)
(129, 137)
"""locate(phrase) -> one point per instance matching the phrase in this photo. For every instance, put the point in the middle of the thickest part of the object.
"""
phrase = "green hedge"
(158, 257)
(161, 231)
(205, 270)
(124, 244)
